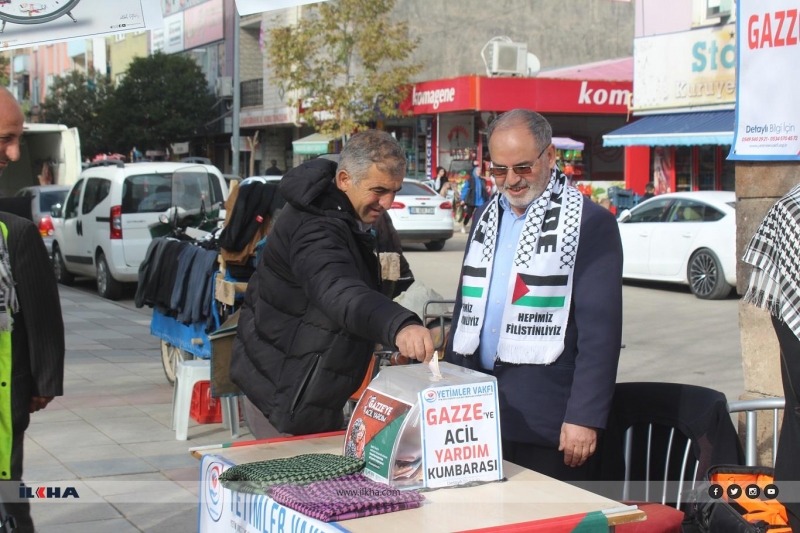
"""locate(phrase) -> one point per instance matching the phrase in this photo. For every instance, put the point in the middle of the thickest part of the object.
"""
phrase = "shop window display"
(706, 168)
(683, 169)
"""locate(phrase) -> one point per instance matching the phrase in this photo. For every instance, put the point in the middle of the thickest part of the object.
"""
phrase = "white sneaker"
(463, 230)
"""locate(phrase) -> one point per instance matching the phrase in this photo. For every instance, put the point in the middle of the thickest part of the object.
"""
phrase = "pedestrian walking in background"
(440, 180)
(649, 191)
(473, 195)
(273, 170)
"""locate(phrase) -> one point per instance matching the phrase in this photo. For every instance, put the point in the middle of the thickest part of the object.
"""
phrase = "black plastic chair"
(669, 434)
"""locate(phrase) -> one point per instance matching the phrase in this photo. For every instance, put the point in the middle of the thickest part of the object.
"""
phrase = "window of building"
(119, 37)
(727, 180)
(712, 12)
(683, 169)
(693, 168)
(706, 168)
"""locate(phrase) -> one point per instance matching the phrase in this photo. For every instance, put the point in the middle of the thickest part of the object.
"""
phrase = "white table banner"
(238, 512)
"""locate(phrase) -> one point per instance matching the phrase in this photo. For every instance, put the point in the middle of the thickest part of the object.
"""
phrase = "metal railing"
(751, 408)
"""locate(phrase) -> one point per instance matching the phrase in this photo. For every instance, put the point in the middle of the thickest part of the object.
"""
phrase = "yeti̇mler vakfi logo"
(47, 492)
(214, 492)
(429, 395)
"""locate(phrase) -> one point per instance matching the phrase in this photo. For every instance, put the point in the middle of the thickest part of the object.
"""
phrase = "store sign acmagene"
(434, 97)
(688, 69)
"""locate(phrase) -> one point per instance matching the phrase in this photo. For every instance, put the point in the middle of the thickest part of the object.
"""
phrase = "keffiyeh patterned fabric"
(345, 498)
(259, 477)
(774, 252)
(540, 283)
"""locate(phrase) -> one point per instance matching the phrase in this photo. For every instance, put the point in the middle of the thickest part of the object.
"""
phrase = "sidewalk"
(109, 436)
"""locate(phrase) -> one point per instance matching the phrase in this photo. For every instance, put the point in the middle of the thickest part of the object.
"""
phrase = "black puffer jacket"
(312, 313)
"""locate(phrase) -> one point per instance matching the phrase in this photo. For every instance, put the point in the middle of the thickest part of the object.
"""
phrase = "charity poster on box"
(461, 434)
(46, 21)
(373, 431)
(767, 107)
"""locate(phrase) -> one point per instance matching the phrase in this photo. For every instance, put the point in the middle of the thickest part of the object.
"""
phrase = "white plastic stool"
(187, 374)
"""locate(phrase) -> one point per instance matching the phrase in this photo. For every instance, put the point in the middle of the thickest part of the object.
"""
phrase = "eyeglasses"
(519, 170)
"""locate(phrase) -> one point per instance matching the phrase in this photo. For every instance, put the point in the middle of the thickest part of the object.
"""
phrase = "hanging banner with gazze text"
(461, 434)
(767, 107)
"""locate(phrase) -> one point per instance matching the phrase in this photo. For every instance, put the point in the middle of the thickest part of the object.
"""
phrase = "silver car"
(43, 198)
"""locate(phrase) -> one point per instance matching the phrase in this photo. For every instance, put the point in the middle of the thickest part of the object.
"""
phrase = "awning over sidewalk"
(565, 143)
(315, 144)
(678, 129)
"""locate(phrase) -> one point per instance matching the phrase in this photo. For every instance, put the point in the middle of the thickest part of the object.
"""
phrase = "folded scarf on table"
(258, 477)
(344, 498)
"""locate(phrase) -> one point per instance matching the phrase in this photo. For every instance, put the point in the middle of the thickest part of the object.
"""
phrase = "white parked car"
(102, 231)
(419, 214)
(686, 237)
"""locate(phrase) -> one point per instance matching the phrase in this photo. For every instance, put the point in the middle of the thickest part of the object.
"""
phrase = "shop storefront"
(455, 114)
(684, 93)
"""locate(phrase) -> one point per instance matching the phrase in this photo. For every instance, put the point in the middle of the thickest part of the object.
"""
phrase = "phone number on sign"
(771, 138)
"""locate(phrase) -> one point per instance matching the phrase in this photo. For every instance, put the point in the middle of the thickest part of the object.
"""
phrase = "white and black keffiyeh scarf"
(540, 283)
(8, 291)
(774, 252)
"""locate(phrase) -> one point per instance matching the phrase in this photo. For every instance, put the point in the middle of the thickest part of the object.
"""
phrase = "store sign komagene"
(687, 69)
(441, 96)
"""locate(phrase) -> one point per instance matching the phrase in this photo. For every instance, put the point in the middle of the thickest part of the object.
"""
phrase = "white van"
(54, 144)
(102, 231)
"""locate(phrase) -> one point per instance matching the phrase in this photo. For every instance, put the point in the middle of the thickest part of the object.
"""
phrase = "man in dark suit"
(29, 298)
(540, 303)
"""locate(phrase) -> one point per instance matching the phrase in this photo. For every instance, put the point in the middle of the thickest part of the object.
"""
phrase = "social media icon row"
(751, 491)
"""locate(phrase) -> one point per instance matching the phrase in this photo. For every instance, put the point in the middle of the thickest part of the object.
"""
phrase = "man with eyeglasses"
(314, 309)
(539, 304)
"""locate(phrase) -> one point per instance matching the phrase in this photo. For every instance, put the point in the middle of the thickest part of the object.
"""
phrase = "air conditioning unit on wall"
(509, 59)
(223, 87)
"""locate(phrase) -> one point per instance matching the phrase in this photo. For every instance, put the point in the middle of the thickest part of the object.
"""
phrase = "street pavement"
(109, 436)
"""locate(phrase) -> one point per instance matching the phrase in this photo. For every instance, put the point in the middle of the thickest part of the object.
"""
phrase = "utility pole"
(11, 73)
(237, 99)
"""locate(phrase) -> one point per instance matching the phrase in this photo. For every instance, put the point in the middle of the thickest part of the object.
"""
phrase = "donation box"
(415, 430)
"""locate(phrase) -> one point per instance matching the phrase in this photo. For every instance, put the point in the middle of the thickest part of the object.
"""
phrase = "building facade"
(684, 96)
(451, 40)
(123, 48)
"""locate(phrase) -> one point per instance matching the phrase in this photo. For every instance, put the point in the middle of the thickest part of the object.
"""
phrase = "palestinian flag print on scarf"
(540, 291)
